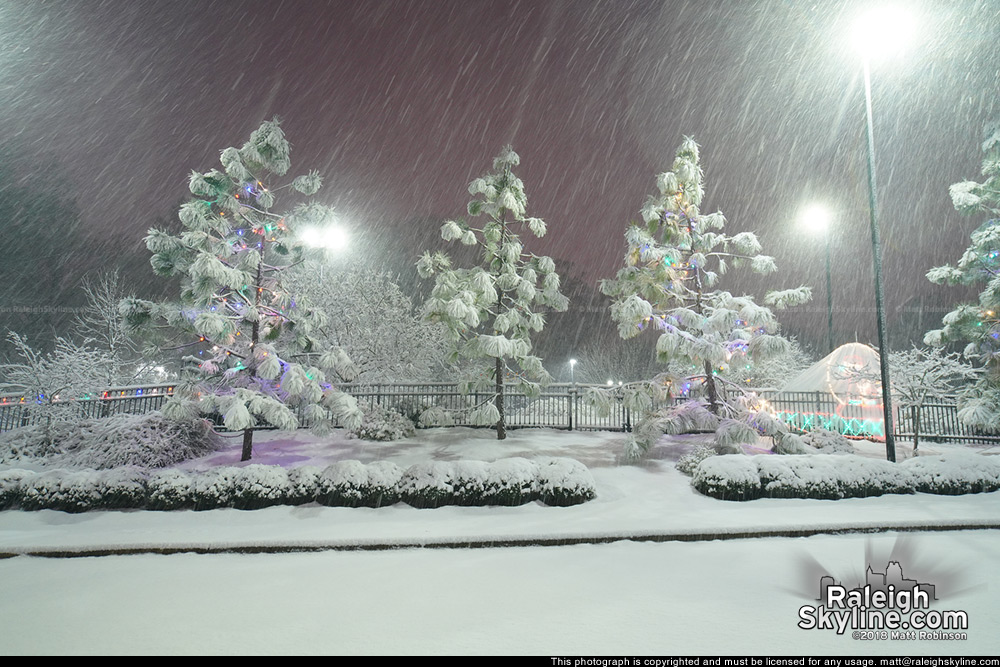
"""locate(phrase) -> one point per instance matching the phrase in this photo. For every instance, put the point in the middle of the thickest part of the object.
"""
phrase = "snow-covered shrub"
(10, 487)
(429, 484)
(256, 486)
(828, 442)
(797, 477)
(170, 489)
(342, 484)
(687, 463)
(861, 477)
(69, 491)
(214, 488)
(825, 476)
(469, 482)
(381, 424)
(510, 482)
(146, 441)
(728, 477)
(954, 475)
(563, 482)
(302, 484)
(121, 488)
(383, 484)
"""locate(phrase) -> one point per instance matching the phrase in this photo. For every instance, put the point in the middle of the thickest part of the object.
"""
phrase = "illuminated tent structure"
(841, 392)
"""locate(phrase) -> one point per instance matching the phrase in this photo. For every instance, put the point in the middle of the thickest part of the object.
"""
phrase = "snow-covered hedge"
(354, 484)
(954, 475)
(738, 477)
(512, 481)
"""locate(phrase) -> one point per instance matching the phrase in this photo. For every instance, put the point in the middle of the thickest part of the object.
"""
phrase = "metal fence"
(560, 406)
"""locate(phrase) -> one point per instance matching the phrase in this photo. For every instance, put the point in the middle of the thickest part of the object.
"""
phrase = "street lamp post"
(817, 218)
(882, 30)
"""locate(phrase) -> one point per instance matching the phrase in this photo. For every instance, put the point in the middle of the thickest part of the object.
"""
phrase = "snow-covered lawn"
(729, 596)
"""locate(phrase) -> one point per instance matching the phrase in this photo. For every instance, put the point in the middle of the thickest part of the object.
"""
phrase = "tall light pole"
(816, 219)
(879, 31)
(572, 372)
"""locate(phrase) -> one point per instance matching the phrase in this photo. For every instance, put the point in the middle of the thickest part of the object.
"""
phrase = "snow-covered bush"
(737, 477)
(214, 488)
(354, 484)
(469, 479)
(790, 443)
(954, 475)
(797, 477)
(828, 442)
(687, 463)
(379, 423)
(302, 484)
(10, 487)
(170, 489)
(256, 486)
(429, 484)
(383, 484)
(861, 477)
(729, 477)
(510, 482)
(121, 488)
(66, 490)
(146, 441)
(563, 482)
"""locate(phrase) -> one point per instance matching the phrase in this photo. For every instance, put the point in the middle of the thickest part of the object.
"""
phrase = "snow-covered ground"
(628, 597)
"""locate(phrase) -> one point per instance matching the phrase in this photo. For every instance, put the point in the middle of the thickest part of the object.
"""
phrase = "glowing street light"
(572, 374)
(331, 238)
(880, 33)
(816, 219)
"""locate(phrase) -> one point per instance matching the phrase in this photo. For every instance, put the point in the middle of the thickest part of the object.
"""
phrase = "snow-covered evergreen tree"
(234, 306)
(977, 324)
(669, 284)
(373, 321)
(491, 310)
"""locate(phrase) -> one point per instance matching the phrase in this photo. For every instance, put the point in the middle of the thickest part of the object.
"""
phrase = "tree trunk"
(713, 394)
(498, 401)
(247, 444)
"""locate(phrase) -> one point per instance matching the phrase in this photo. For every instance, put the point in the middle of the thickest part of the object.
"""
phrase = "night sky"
(400, 104)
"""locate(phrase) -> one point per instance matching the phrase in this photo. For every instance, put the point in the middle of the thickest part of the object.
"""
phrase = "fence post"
(571, 399)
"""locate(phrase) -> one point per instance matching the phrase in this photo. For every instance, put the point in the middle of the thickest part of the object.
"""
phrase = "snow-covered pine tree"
(233, 304)
(491, 310)
(977, 324)
(673, 264)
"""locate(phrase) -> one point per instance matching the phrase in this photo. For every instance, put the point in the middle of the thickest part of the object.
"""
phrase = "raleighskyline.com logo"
(888, 606)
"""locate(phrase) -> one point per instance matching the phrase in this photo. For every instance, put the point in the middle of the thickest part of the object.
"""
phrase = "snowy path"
(626, 598)
(722, 596)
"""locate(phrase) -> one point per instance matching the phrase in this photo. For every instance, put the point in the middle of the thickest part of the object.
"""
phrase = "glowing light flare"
(332, 237)
(884, 31)
(816, 218)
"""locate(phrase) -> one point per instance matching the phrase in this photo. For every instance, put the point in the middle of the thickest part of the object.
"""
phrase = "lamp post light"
(876, 33)
(572, 374)
(817, 219)
(332, 238)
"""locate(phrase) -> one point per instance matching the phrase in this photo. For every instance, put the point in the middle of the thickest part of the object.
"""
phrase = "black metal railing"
(559, 406)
